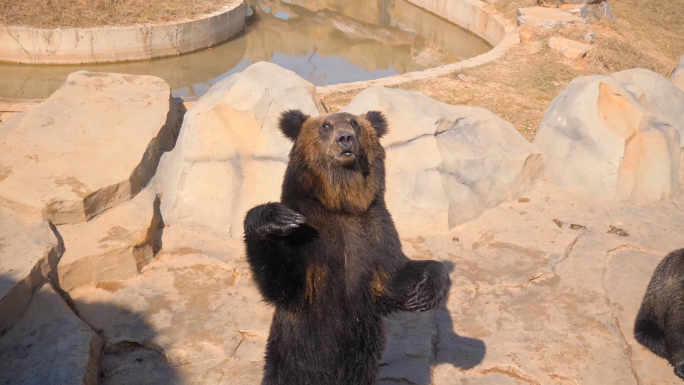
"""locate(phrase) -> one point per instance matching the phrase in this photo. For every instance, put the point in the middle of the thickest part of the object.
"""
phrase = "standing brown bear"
(328, 256)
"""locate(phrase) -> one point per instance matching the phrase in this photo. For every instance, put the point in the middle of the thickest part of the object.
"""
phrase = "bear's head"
(336, 158)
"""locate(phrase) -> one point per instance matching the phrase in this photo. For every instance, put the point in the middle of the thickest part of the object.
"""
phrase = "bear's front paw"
(679, 369)
(272, 219)
(430, 290)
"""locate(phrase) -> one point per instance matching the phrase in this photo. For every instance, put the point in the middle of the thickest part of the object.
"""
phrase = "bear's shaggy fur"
(660, 322)
(328, 256)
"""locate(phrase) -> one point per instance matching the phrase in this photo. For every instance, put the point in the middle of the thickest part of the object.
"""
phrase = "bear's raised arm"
(277, 269)
(416, 286)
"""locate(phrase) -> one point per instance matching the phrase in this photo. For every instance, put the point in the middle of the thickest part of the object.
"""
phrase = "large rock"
(548, 18)
(657, 95)
(598, 138)
(552, 305)
(113, 246)
(593, 11)
(677, 77)
(446, 164)
(93, 144)
(202, 315)
(569, 48)
(29, 251)
(230, 154)
(50, 345)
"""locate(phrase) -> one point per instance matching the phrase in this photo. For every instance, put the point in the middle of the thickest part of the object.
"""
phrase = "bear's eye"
(327, 126)
(354, 123)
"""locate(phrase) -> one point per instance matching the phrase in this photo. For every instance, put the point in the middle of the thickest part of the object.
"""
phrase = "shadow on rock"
(48, 331)
(459, 351)
(137, 362)
(418, 341)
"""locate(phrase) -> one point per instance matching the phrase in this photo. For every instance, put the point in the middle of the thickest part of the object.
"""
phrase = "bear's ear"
(291, 122)
(378, 121)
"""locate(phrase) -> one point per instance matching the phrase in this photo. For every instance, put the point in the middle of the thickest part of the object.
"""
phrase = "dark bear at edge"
(328, 256)
(659, 324)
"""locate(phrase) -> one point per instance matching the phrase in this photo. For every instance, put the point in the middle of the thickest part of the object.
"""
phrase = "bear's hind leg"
(650, 335)
(674, 344)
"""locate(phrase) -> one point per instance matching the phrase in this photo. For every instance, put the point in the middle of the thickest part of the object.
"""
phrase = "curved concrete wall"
(469, 14)
(115, 44)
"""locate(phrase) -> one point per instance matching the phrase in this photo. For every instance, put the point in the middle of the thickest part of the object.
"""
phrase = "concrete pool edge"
(474, 16)
(27, 45)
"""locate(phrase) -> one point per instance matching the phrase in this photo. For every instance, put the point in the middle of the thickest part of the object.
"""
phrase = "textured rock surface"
(50, 345)
(535, 303)
(569, 48)
(677, 77)
(657, 95)
(112, 246)
(29, 250)
(203, 315)
(230, 154)
(93, 144)
(546, 17)
(598, 138)
(592, 11)
(446, 164)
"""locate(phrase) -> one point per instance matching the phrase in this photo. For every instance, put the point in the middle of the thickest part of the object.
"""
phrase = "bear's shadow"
(418, 341)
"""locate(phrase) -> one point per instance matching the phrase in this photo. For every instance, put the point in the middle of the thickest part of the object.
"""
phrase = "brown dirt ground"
(93, 13)
(520, 86)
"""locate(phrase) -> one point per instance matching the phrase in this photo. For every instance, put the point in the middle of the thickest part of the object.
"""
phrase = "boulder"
(570, 49)
(92, 144)
(202, 315)
(677, 77)
(50, 345)
(598, 138)
(657, 95)
(230, 154)
(29, 251)
(548, 18)
(113, 246)
(527, 33)
(446, 164)
(592, 11)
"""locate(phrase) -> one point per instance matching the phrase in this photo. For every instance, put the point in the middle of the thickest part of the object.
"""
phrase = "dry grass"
(520, 86)
(92, 13)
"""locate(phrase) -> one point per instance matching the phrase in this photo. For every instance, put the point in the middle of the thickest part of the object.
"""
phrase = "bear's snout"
(346, 140)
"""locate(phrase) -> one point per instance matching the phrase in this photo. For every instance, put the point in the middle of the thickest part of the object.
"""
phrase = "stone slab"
(112, 246)
(90, 146)
(546, 17)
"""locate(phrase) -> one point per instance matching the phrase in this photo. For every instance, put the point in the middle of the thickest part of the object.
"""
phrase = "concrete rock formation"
(600, 139)
(548, 18)
(113, 246)
(569, 48)
(657, 95)
(677, 77)
(50, 345)
(592, 11)
(446, 164)
(29, 251)
(534, 299)
(90, 146)
(230, 154)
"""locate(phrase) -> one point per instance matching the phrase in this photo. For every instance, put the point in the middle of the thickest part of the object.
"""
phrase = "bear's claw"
(272, 219)
(679, 369)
